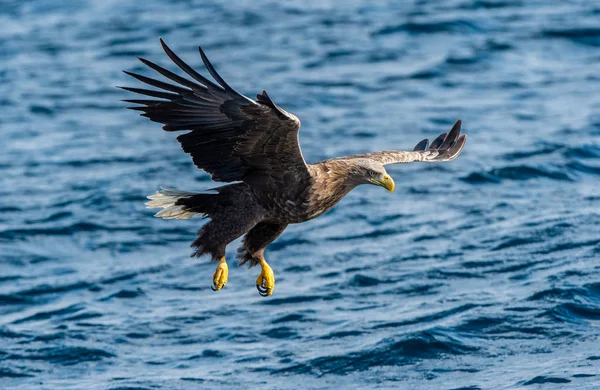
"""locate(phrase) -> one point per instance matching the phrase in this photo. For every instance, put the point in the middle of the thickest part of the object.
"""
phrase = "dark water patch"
(583, 152)
(364, 281)
(124, 294)
(422, 74)
(244, 338)
(538, 380)
(517, 173)
(567, 246)
(389, 352)
(125, 53)
(458, 26)
(467, 388)
(416, 289)
(342, 334)
(45, 289)
(425, 237)
(455, 60)
(84, 316)
(14, 299)
(191, 319)
(518, 266)
(575, 312)
(583, 35)
(101, 161)
(428, 318)
(509, 328)
(515, 242)
(541, 150)
(298, 269)
(480, 325)
(41, 110)
(282, 332)
(9, 278)
(589, 291)
(8, 373)
(372, 234)
(124, 276)
(137, 335)
(192, 379)
(44, 315)
(293, 299)
(583, 375)
(208, 353)
(491, 4)
(9, 334)
(58, 336)
(52, 218)
(283, 244)
(481, 264)
(449, 274)
(9, 209)
(593, 358)
(583, 168)
(290, 318)
(67, 230)
(64, 355)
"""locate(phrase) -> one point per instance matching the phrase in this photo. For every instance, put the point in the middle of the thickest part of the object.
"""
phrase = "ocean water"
(482, 273)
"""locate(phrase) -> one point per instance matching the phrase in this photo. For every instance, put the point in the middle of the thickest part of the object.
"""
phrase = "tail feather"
(170, 201)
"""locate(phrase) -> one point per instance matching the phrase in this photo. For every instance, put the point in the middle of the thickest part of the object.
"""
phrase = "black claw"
(213, 288)
(262, 291)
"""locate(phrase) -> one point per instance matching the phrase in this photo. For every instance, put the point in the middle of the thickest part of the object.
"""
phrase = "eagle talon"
(220, 276)
(265, 283)
(262, 291)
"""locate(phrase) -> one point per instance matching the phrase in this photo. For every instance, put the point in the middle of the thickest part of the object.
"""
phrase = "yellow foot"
(266, 280)
(220, 275)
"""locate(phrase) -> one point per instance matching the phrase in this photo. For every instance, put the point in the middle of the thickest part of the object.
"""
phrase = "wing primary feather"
(170, 75)
(149, 92)
(438, 141)
(157, 83)
(142, 101)
(188, 69)
(421, 145)
(452, 135)
(217, 77)
(264, 98)
(458, 146)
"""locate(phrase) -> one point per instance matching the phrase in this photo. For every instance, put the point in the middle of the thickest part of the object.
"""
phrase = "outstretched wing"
(446, 147)
(232, 137)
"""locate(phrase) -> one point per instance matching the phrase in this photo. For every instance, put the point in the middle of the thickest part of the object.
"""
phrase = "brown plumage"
(254, 145)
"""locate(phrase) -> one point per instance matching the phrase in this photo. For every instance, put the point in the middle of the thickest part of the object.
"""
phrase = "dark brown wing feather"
(232, 137)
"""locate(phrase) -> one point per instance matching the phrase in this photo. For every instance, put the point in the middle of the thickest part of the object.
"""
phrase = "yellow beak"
(387, 183)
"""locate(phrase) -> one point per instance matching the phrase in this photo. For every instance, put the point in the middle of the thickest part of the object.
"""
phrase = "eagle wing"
(446, 147)
(231, 137)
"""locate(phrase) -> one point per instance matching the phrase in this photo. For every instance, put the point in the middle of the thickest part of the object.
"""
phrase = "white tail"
(166, 200)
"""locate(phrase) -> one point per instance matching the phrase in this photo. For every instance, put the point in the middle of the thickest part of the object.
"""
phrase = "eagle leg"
(266, 280)
(220, 276)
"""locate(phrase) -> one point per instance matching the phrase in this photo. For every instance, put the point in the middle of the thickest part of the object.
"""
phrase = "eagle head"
(366, 171)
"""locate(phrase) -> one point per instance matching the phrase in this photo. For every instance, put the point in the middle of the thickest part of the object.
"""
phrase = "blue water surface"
(482, 273)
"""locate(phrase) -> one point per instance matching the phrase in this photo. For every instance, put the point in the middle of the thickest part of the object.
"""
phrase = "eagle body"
(253, 144)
